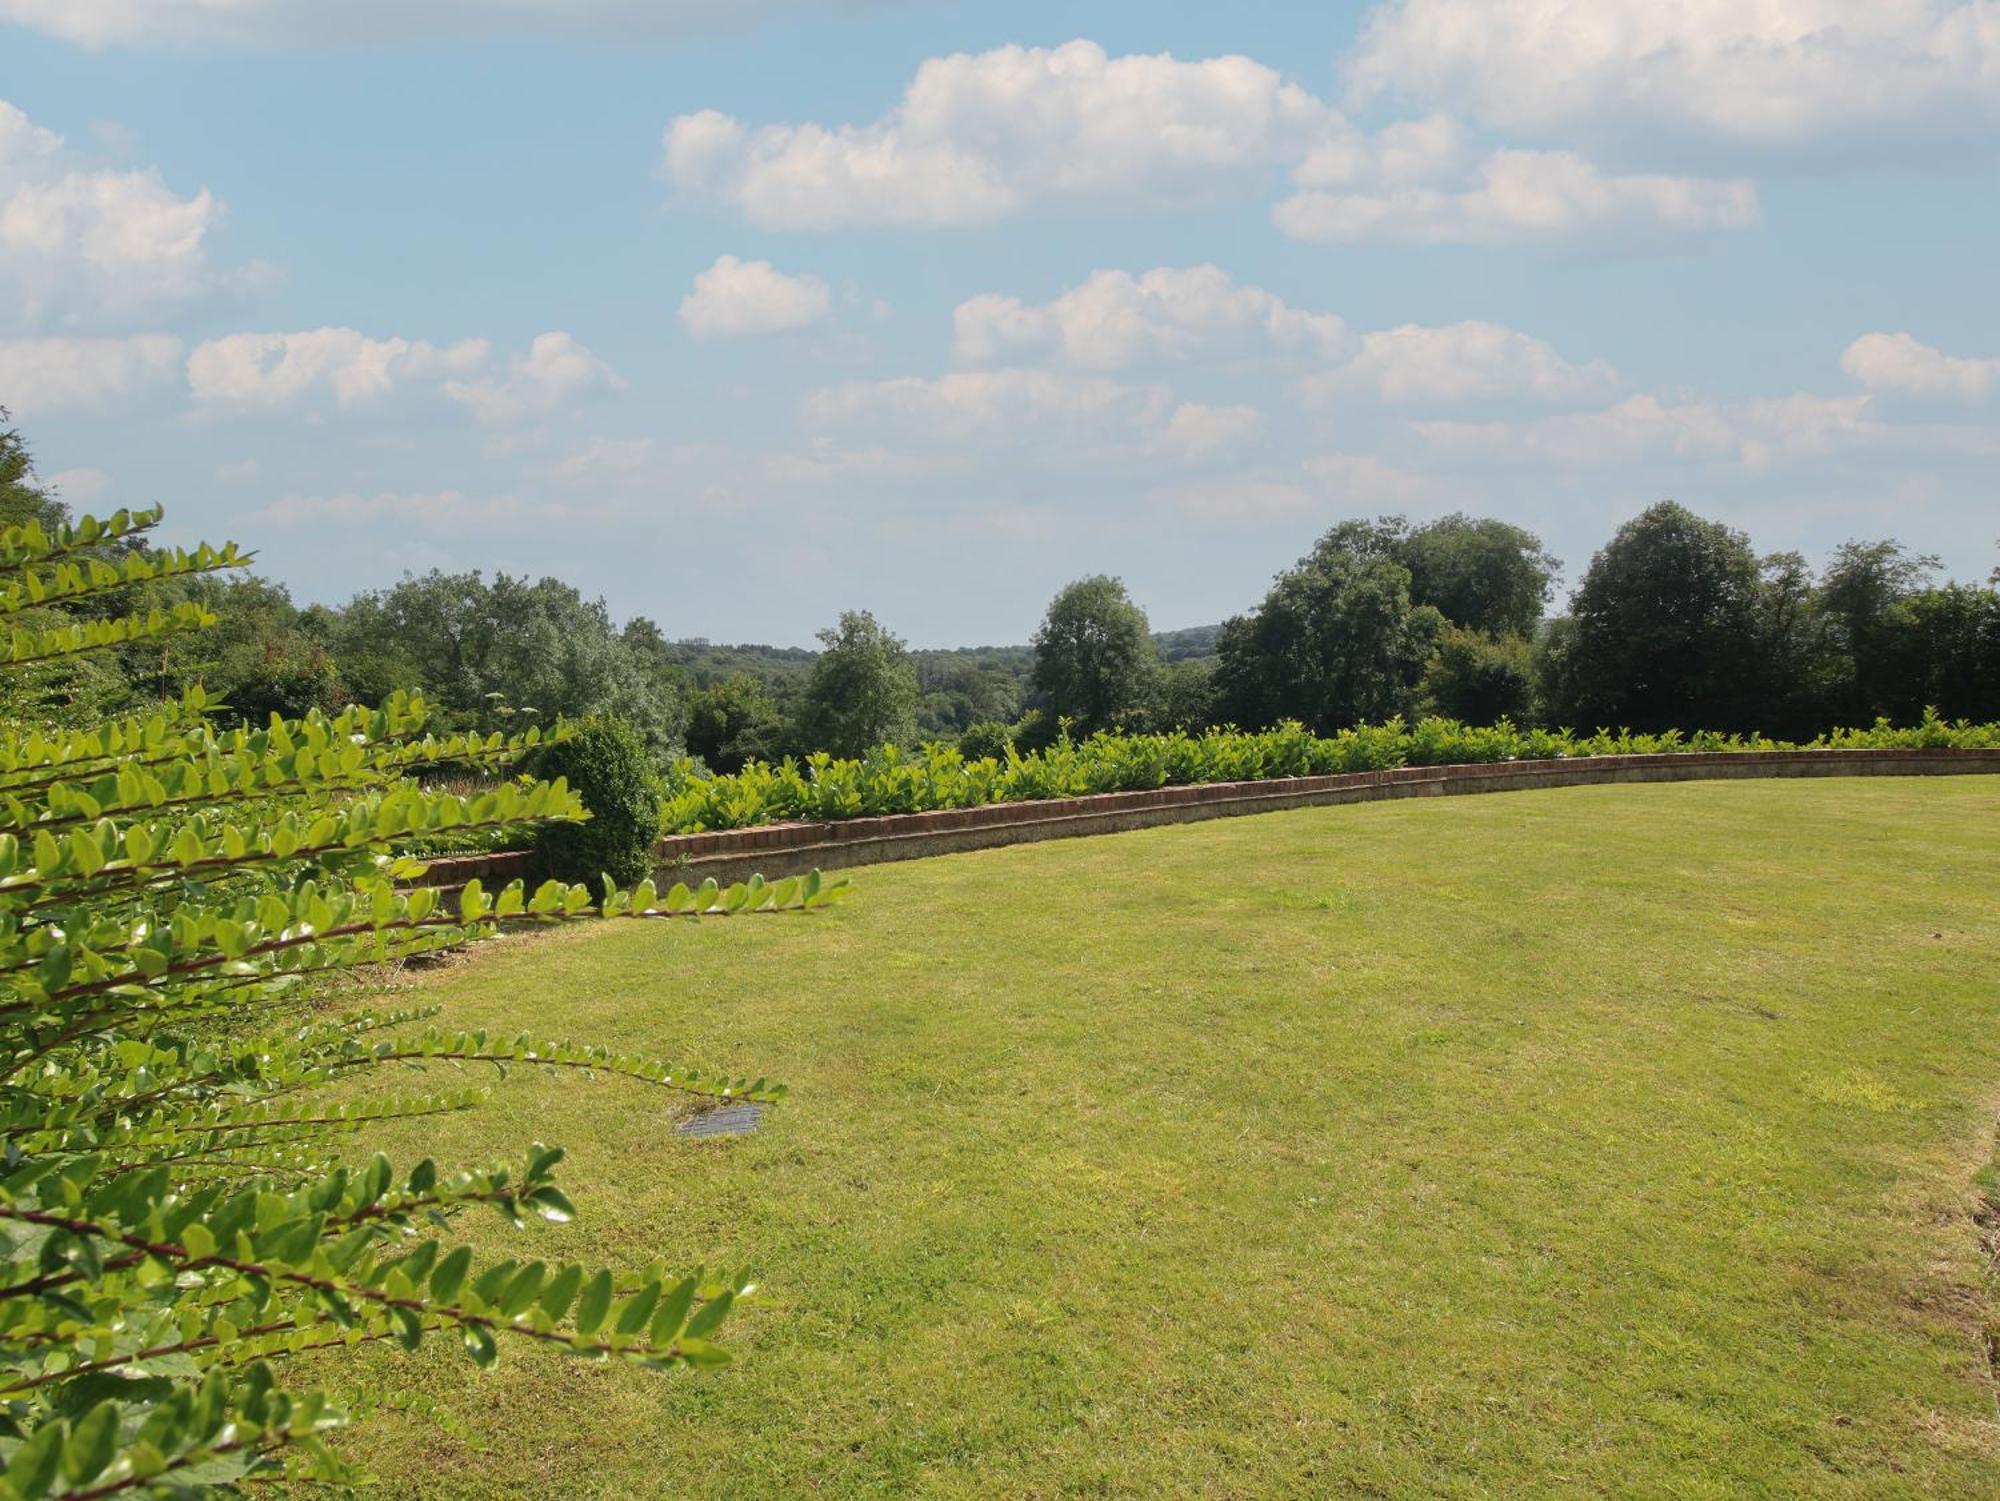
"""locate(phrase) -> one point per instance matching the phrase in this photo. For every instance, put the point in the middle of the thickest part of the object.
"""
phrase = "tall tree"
(1094, 654)
(1336, 642)
(1866, 596)
(1663, 630)
(1482, 574)
(862, 691)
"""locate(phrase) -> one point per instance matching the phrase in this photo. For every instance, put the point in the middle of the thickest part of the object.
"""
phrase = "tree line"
(1677, 622)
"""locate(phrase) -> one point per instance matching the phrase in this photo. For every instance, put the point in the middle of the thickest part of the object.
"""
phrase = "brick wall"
(785, 849)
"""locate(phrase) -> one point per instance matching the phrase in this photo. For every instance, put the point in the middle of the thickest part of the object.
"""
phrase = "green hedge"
(894, 780)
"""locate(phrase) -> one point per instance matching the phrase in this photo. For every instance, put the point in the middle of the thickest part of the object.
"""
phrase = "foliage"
(174, 1225)
(891, 779)
(539, 647)
(1480, 573)
(1184, 695)
(1336, 642)
(734, 720)
(1479, 678)
(990, 739)
(861, 691)
(1664, 628)
(604, 764)
(1095, 661)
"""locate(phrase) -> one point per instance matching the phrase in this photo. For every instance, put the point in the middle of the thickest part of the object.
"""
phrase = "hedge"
(896, 780)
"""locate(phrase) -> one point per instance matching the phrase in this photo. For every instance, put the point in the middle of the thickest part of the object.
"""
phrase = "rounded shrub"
(606, 765)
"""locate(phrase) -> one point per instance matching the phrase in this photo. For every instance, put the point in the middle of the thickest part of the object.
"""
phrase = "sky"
(741, 313)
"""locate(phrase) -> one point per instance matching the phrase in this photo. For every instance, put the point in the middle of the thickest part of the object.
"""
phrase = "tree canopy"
(861, 691)
(1094, 655)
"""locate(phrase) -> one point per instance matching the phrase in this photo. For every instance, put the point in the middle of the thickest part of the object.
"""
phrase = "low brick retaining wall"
(784, 849)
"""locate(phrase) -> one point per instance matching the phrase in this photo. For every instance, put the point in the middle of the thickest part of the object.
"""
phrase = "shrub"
(892, 780)
(606, 766)
(176, 1218)
(987, 738)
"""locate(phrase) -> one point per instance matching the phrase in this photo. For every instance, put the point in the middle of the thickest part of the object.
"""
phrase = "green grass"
(1612, 1141)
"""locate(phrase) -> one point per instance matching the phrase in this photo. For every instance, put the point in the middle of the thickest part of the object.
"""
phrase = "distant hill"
(707, 661)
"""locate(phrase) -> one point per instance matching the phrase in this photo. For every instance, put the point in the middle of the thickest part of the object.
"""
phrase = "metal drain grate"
(724, 1120)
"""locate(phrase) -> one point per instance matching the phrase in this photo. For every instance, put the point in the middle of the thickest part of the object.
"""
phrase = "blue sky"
(928, 307)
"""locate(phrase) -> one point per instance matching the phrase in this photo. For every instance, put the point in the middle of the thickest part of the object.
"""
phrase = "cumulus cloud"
(1327, 484)
(734, 298)
(1905, 366)
(1116, 320)
(77, 242)
(1196, 431)
(981, 137)
(269, 371)
(1644, 428)
(995, 406)
(1512, 197)
(45, 375)
(299, 23)
(1760, 71)
(1460, 362)
(978, 138)
(555, 371)
(81, 487)
(447, 511)
(277, 369)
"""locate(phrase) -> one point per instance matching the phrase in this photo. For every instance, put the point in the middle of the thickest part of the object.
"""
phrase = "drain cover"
(724, 1120)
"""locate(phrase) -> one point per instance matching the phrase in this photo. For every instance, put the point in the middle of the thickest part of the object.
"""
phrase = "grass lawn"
(1614, 1140)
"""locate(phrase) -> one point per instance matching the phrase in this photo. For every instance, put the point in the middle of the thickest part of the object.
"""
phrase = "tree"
(176, 1217)
(1336, 642)
(540, 648)
(1663, 630)
(1479, 573)
(1184, 698)
(1865, 595)
(862, 690)
(1480, 679)
(733, 722)
(1094, 654)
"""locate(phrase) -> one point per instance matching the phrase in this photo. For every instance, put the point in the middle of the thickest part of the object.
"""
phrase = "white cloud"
(276, 369)
(733, 298)
(1460, 362)
(81, 487)
(1764, 71)
(1644, 428)
(1361, 479)
(997, 406)
(1195, 431)
(1901, 364)
(981, 137)
(1116, 320)
(1238, 499)
(450, 511)
(555, 370)
(299, 23)
(76, 242)
(1333, 483)
(978, 138)
(43, 375)
(1513, 197)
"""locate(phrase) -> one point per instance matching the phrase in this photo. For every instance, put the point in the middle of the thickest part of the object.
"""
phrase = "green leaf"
(91, 1445)
(450, 1274)
(595, 1305)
